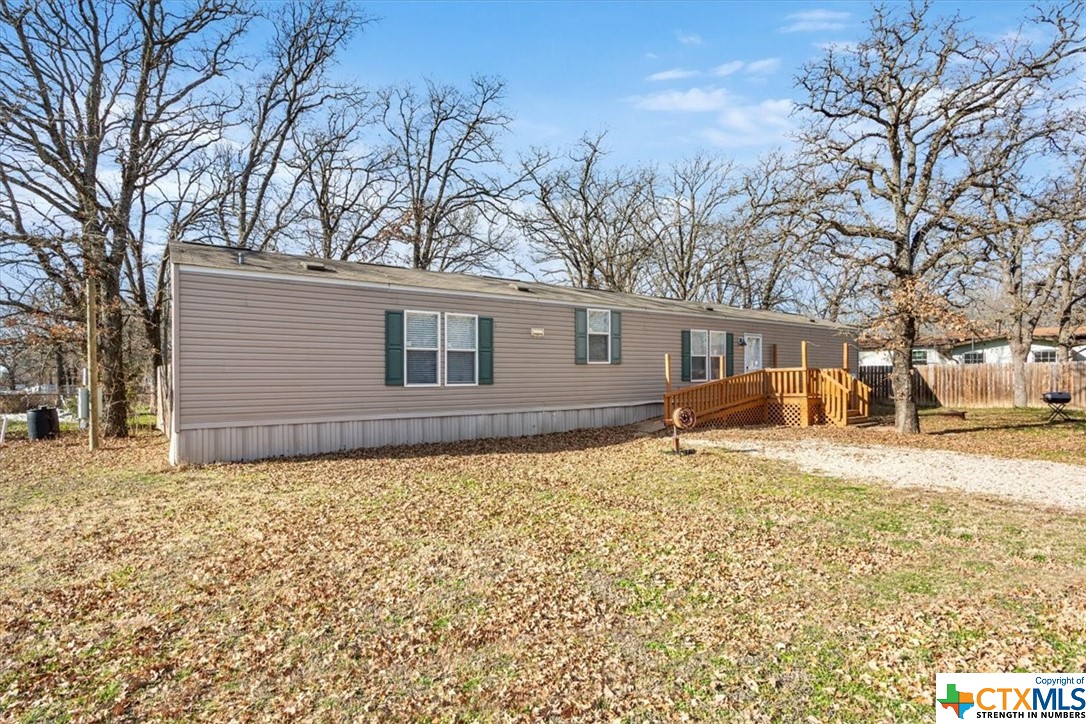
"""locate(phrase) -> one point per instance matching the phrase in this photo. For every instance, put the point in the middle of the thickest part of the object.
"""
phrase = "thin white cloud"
(674, 74)
(651, 56)
(688, 38)
(728, 68)
(752, 124)
(810, 21)
(694, 100)
(738, 122)
(765, 66)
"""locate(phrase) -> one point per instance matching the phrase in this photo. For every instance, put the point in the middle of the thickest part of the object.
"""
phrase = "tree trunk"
(1019, 353)
(114, 382)
(906, 417)
(58, 360)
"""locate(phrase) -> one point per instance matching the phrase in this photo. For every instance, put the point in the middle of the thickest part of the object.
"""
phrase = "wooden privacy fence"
(983, 385)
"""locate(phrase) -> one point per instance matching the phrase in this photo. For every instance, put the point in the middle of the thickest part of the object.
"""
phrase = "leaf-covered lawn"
(1006, 433)
(582, 575)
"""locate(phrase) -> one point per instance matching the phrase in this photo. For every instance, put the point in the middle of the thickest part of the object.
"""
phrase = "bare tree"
(254, 189)
(589, 219)
(1022, 256)
(900, 127)
(1068, 198)
(456, 186)
(686, 230)
(347, 189)
(769, 235)
(97, 102)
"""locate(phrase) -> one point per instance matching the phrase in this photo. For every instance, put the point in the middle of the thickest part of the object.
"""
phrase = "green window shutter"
(616, 338)
(686, 355)
(729, 354)
(486, 350)
(394, 348)
(580, 336)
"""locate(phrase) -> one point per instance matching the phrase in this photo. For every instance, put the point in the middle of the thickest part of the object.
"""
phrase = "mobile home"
(277, 355)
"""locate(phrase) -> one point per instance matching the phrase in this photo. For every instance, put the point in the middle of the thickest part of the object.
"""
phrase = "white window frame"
(448, 349)
(436, 350)
(710, 365)
(589, 334)
(1046, 352)
(708, 375)
(972, 352)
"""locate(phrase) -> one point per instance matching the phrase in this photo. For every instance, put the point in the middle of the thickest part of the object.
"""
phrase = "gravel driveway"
(1059, 485)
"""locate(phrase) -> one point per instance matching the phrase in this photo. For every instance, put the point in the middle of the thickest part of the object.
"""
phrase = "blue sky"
(664, 79)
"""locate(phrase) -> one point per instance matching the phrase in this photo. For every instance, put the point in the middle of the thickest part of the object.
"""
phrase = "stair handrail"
(712, 396)
(834, 397)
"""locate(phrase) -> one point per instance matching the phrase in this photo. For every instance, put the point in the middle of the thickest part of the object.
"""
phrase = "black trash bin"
(42, 423)
(54, 420)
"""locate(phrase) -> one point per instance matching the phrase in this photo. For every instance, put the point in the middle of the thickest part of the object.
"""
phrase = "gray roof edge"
(225, 257)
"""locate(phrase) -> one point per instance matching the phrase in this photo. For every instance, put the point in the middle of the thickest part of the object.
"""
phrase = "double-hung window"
(599, 336)
(718, 349)
(461, 349)
(706, 354)
(920, 357)
(1044, 355)
(699, 355)
(422, 351)
(422, 363)
(973, 358)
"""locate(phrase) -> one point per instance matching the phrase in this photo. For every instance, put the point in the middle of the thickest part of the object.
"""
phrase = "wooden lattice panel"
(754, 416)
(783, 414)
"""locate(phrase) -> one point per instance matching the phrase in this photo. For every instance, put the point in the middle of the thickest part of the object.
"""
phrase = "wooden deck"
(789, 396)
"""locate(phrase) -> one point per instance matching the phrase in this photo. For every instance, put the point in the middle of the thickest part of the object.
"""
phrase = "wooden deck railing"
(839, 392)
(715, 396)
(784, 381)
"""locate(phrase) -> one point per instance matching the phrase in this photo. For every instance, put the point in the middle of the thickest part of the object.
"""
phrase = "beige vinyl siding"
(257, 351)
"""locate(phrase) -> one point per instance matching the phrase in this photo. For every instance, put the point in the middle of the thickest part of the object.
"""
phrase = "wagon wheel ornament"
(684, 418)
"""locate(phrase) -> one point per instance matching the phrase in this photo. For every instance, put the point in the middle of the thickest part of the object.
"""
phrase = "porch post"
(804, 400)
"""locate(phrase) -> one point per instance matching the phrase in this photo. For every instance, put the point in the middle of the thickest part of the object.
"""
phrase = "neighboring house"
(281, 355)
(990, 349)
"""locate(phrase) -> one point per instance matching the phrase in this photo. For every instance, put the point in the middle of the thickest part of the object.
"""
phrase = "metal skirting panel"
(267, 441)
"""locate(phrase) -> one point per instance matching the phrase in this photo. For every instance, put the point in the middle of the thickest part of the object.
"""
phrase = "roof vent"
(709, 308)
(517, 286)
(315, 266)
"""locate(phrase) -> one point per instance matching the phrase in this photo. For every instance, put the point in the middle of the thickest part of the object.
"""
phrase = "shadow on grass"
(1075, 423)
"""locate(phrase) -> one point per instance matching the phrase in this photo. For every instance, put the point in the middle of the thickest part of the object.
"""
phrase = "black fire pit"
(1056, 401)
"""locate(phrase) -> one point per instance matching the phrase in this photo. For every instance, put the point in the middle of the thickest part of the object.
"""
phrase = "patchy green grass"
(585, 575)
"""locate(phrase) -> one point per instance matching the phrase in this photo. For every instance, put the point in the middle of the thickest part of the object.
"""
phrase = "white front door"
(752, 353)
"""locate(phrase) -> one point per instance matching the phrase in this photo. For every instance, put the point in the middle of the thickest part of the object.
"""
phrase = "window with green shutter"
(597, 336)
(424, 350)
(701, 351)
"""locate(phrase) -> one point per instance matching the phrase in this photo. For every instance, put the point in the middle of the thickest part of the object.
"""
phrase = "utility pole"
(92, 360)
